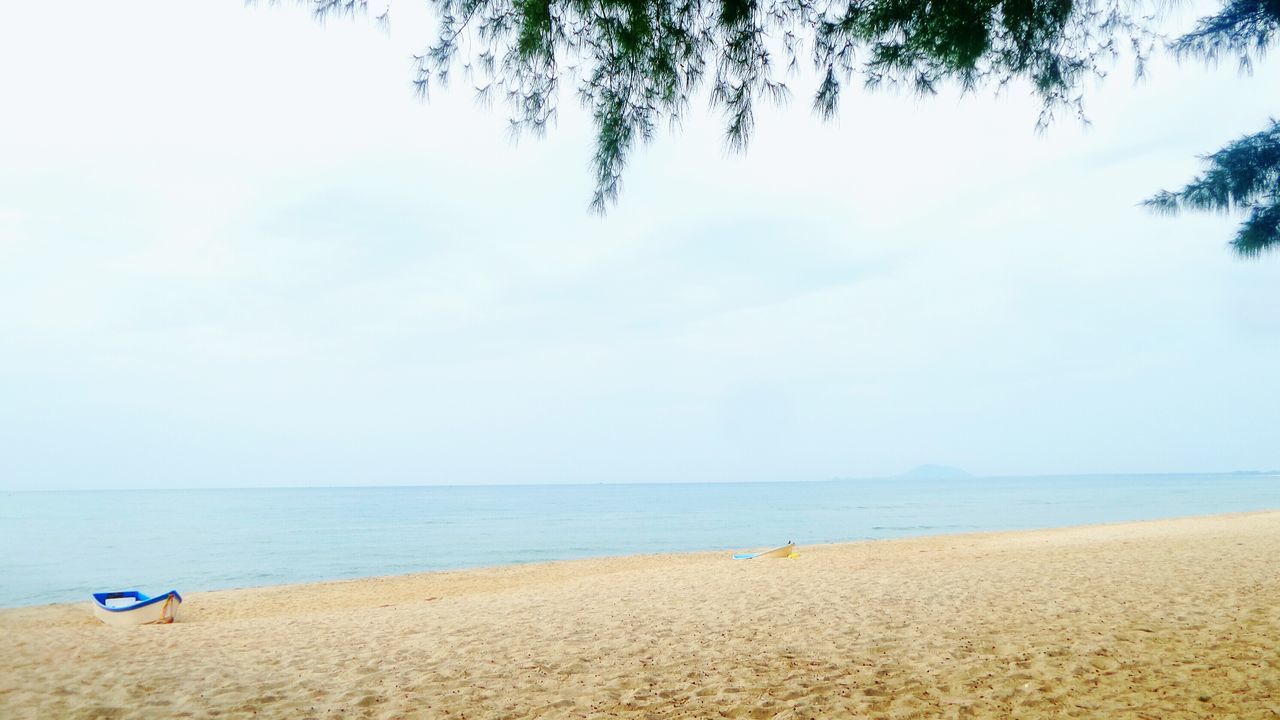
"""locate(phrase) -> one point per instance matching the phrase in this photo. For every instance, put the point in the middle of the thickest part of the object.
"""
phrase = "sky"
(236, 251)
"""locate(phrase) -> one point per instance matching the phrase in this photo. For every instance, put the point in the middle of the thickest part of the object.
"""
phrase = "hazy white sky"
(235, 251)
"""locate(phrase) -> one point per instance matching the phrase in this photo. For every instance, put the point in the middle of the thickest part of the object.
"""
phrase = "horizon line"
(900, 476)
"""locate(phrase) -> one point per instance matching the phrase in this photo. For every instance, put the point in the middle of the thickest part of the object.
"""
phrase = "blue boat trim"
(142, 600)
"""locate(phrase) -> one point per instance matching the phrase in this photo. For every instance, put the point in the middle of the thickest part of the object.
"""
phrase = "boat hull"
(786, 551)
(782, 552)
(142, 611)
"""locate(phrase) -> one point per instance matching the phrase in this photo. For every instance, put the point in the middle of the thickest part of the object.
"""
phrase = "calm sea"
(61, 546)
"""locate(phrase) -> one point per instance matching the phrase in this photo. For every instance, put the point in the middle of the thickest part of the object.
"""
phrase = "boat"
(130, 607)
(786, 551)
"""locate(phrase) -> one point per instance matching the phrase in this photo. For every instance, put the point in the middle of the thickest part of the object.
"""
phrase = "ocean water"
(61, 546)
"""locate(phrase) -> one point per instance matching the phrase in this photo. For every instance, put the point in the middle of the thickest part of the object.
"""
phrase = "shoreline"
(1162, 618)
(206, 540)
(654, 556)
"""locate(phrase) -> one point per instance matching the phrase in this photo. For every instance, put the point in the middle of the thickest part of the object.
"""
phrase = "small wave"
(899, 528)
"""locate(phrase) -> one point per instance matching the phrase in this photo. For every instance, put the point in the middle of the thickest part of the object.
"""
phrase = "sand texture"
(1157, 620)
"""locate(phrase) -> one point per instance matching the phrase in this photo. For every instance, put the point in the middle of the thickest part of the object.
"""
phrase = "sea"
(61, 546)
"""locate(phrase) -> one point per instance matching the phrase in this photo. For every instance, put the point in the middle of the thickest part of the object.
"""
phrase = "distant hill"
(936, 472)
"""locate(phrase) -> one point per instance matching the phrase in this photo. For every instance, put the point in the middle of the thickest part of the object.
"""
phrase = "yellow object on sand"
(786, 551)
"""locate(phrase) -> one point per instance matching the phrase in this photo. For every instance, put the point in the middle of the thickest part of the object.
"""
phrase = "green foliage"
(638, 63)
(1244, 175)
(1244, 28)
(322, 9)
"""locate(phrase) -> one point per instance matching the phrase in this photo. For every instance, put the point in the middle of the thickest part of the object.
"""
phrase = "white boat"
(130, 607)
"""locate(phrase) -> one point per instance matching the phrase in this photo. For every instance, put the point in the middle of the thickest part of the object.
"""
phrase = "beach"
(1161, 619)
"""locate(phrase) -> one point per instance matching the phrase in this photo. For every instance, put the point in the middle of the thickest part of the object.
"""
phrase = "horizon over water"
(63, 545)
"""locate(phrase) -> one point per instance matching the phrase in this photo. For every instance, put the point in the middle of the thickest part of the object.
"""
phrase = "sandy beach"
(1166, 619)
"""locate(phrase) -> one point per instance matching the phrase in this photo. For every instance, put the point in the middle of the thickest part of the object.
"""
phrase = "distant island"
(936, 472)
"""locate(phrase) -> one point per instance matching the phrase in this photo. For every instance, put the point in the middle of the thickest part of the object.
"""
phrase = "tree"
(1244, 175)
(637, 63)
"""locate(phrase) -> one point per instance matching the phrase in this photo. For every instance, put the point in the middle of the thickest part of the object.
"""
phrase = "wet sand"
(1159, 620)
